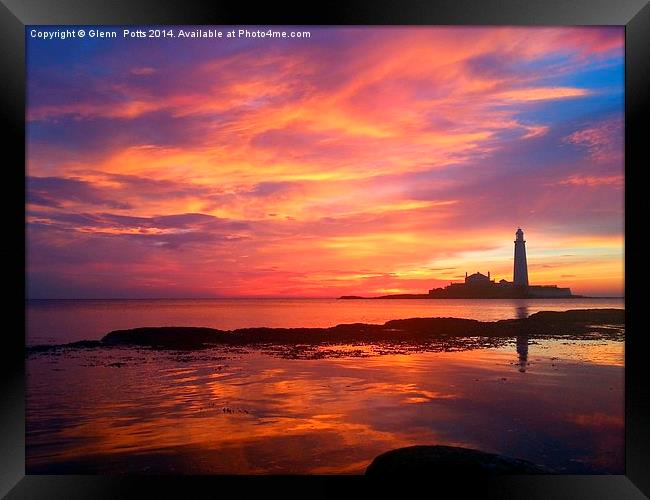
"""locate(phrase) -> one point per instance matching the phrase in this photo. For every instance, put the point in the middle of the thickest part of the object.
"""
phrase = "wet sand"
(557, 403)
(548, 389)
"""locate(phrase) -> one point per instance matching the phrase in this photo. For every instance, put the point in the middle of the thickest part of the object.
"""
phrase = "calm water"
(558, 403)
(60, 321)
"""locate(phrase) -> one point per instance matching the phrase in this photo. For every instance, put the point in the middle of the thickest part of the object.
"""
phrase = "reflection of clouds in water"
(522, 309)
(328, 416)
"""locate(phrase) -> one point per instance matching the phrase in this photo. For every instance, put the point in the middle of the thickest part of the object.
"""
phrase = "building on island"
(479, 285)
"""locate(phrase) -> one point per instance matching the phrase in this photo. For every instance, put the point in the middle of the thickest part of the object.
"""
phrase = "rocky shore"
(577, 323)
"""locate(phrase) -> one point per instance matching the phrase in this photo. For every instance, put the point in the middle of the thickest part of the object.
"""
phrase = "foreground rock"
(427, 460)
(414, 331)
(574, 322)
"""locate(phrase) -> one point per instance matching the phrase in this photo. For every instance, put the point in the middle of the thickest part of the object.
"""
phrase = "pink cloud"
(603, 141)
(591, 181)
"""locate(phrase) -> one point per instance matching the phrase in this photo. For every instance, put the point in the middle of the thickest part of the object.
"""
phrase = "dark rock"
(412, 330)
(177, 337)
(81, 344)
(453, 332)
(439, 460)
(598, 316)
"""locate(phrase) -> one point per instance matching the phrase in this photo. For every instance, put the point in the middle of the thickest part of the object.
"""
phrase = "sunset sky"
(357, 161)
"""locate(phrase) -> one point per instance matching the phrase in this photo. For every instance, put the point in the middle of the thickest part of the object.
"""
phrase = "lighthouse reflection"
(522, 340)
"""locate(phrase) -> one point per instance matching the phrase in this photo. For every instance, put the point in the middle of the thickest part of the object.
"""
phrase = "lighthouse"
(521, 267)
(479, 286)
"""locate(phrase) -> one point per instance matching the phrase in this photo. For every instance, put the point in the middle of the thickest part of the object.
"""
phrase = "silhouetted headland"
(414, 330)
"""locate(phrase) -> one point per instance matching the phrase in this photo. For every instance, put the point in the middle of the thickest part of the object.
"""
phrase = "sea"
(557, 402)
(62, 321)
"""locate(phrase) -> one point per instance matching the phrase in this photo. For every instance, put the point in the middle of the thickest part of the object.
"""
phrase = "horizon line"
(286, 297)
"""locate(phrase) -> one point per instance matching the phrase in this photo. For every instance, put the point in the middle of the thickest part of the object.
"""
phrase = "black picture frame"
(16, 14)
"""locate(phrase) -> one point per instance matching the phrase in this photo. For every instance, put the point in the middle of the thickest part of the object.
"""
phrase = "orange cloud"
(355, 168)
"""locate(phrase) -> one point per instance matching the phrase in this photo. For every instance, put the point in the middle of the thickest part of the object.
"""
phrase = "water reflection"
(522, 352)
(522, 312)
(214, 412)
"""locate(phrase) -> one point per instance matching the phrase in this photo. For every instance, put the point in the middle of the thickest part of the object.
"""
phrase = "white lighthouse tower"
(521, 267)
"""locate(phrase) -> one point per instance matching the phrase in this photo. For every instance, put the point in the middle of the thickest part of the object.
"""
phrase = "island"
(481, 286)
